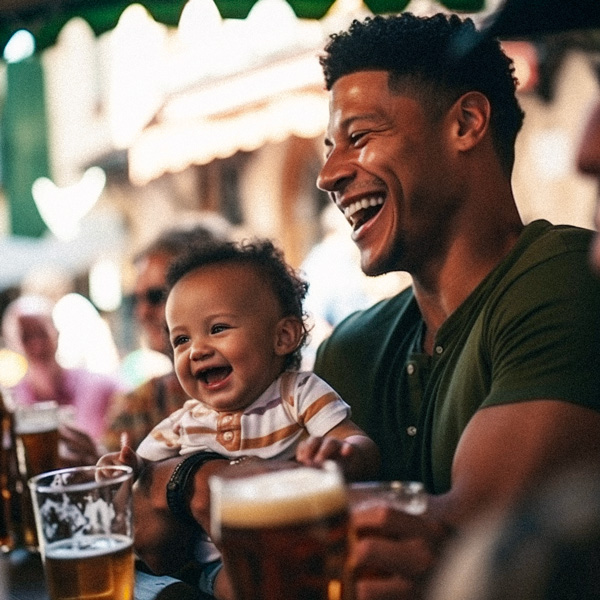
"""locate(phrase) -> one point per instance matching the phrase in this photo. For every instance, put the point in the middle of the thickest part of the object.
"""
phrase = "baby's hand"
(314, 451)
(126, 457)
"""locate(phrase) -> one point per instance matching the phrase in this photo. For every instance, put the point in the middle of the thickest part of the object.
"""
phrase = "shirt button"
(412, 430)
(439, 349)
(227, 419)
(228, 436)
(410, 368)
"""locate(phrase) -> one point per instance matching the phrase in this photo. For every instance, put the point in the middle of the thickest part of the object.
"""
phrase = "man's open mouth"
(361, 211)
(214, 375)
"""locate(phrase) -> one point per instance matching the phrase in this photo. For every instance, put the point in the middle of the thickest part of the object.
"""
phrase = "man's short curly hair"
(262, 255)
(425, 57)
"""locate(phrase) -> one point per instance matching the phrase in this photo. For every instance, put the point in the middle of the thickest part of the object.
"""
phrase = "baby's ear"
(289, 335)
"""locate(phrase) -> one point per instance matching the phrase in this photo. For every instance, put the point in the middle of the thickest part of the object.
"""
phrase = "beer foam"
(281, 497)
(87, 547)
(38, 418)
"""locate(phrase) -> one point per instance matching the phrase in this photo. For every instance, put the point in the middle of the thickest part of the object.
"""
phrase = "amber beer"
(92, 568)
(283, 534)
(36, 429)
(84, 524)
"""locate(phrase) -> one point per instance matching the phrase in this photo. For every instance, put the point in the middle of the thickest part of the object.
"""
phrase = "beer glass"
(36, 431)
(283, 533)
(84, 525)
(406, 496)
(36, 427)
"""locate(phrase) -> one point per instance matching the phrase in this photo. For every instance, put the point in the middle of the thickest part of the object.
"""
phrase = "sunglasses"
(152, 296)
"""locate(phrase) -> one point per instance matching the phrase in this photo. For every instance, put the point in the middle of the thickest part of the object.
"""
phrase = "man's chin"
(374, 268)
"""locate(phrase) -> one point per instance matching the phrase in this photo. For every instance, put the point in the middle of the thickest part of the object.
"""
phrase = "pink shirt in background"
(90, 395)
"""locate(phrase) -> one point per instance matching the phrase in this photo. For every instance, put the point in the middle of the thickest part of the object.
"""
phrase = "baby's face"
(225, 327)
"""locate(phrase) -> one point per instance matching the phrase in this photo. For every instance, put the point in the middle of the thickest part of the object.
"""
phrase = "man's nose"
(335, 173)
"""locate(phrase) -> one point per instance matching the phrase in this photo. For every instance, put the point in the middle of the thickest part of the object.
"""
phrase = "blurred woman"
(28, 328)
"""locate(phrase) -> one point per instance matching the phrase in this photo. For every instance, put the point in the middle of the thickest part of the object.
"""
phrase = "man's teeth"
(349, 211)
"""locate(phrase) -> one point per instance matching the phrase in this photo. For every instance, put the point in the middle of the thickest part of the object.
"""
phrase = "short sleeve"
(319, 406)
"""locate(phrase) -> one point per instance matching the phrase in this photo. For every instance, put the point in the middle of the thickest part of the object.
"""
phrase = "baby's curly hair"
(262, 255)
(436, 59)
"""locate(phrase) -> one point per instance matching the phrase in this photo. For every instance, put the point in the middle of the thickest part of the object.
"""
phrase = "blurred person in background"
(588, 159)
(29, 329)
(546, 547)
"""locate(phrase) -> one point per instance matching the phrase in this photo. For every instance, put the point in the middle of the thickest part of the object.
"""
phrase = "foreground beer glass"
(84, 524)
(36, 430)
(283, 534)
(406, 496)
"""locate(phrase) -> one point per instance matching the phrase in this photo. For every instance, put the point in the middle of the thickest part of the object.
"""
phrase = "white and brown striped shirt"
(295, 405)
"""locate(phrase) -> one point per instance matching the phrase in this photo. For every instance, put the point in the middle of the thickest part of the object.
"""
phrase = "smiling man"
(485, 374)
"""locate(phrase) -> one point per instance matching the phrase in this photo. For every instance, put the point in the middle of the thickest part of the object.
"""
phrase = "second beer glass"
(36, 429)
(283, 533)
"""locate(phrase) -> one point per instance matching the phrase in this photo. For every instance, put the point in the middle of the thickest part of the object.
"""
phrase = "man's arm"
(507, 448)
(503, 451)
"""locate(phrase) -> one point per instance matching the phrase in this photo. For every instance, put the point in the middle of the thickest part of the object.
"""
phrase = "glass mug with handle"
(283, 533)
(84, 524)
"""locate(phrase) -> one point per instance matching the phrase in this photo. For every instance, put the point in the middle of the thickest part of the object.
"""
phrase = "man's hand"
(391, 552)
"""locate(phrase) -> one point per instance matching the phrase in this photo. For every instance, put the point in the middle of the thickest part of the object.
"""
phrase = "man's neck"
(467, 263)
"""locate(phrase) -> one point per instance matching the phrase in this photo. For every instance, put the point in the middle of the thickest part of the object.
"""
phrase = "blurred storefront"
(226, 116)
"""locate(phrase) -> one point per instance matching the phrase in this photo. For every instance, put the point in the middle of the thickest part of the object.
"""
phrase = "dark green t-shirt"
(530, 330)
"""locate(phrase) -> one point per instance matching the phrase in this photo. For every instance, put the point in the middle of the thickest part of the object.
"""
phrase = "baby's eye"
(180, 339)
(219, 328)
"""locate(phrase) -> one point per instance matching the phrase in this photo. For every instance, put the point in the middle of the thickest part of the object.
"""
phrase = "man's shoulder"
(545, 239)
(377, 315)
(365, 333)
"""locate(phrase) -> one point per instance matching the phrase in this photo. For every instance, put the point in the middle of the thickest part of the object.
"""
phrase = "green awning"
(45, 18)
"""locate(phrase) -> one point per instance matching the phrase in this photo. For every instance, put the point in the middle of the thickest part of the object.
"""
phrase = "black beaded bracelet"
(176, 488)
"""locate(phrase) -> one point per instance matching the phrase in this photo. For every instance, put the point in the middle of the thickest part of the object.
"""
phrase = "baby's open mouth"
(361, 211)
(214, 375)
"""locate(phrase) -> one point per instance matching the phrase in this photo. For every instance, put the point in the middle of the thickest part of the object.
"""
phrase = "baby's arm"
(127, 457)
(348, 445)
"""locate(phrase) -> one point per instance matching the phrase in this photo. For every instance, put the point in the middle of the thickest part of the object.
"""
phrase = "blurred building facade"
(227, 117)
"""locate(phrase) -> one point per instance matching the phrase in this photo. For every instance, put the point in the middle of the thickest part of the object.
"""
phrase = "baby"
(236, 325)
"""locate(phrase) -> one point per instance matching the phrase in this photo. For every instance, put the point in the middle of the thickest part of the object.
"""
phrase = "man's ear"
(289, 334)
(471, 114)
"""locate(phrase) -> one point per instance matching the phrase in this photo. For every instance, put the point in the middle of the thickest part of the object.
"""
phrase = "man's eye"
(357, 136)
